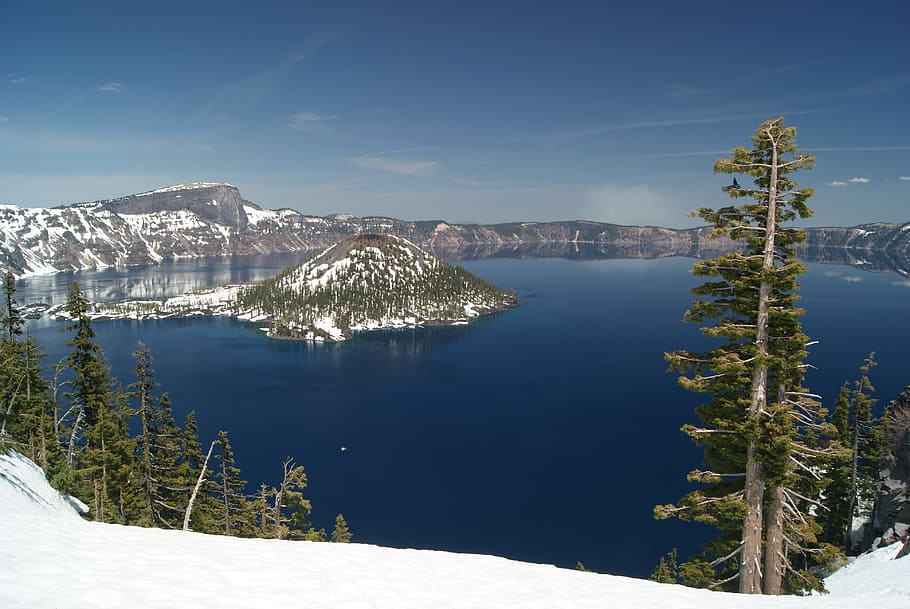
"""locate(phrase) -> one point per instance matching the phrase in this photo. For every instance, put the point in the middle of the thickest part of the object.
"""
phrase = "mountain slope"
(212, 219)
(50, 558)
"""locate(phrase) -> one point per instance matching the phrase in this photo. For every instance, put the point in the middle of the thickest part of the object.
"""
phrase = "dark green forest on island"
(384, 279)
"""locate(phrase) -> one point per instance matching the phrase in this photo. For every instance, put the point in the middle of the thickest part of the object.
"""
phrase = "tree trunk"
(750, 557)
(750, 572)
(189, 507)
(774, 549)
(225, 491)
(854, 475)
(147, 457)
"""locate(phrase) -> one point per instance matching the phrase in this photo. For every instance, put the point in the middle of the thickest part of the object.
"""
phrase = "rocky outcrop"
(890, 519)
(208, 219)
(211, 202)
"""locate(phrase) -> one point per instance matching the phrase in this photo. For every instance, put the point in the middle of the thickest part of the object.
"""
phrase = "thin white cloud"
(309, 121)
(904, 178)
(253, 89)
(406, 168)
(478, 183)
(75, 142)
(770, 71)
(4, 119)
(681, 90)
(878, 86)
(342, 185)
(16, 80)
(837, 183)
(655, 124)
(858, 149)
(859, 180)
(674, 155)
(111, 87)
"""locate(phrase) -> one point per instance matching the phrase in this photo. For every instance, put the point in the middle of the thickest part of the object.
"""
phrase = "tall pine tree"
(752, 427)
(11, 320)
(103, 455)
(235, 516)
(851, 477)
(157, 447)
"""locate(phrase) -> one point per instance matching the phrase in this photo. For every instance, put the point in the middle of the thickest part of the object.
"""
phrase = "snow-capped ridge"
(197, 219)
(186, 186)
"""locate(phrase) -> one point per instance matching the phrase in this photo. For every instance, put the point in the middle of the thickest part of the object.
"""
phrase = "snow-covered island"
(366, 282)
(51, 557)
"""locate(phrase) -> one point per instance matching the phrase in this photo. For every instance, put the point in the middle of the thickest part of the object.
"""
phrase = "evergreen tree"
(753, 427)
(291, 511)
(234, 517)
(166, 450)
(864, 447)
(26, 408)
(91, 386)
(667, 570)
(104, 458)
(14, 377)
(263, 510)
(157, 448)
(191, 460)
(851, 477)
(107, 464)
(11, 320)
(341, 533)
(142, 392)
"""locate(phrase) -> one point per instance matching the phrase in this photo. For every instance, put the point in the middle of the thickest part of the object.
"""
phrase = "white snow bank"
(50, 558)
(874, 574)
(24, 488)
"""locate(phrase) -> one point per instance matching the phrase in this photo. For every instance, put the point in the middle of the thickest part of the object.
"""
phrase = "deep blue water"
(546, 433)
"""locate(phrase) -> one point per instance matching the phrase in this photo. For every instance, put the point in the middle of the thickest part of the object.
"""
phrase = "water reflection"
(181, 276)
(160, 281)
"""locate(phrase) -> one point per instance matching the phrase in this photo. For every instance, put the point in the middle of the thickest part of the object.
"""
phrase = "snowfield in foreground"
(50, 557)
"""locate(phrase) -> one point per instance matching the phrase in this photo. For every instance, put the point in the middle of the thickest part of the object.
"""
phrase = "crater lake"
(546, 433)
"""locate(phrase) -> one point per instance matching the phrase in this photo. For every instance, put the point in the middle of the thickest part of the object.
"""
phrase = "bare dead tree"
(189, 507)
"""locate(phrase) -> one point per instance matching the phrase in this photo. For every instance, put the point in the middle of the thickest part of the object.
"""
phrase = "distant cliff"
(204, 219)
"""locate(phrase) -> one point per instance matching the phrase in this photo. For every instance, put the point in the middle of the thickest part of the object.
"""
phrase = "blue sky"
(465, 111)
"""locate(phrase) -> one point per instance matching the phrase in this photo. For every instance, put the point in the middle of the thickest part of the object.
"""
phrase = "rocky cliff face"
(216, 203)
(203, 219)
(890, 520)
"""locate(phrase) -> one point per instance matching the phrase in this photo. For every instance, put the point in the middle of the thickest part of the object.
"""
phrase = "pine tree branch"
(804, 468)
(723, 581)
(723, 559)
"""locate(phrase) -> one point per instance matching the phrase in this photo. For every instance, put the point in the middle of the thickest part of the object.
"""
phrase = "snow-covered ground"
(50, 557)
